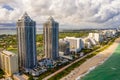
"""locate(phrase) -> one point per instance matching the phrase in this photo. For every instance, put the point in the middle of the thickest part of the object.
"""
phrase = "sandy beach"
(92, 62)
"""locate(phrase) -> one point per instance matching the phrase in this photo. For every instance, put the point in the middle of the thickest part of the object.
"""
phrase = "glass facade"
(26, 33)
(51, 33)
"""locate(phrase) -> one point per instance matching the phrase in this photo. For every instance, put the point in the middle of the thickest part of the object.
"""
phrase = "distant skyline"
(69, 13)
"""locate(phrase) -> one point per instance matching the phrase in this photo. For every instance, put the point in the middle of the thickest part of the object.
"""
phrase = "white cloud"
(73, 12)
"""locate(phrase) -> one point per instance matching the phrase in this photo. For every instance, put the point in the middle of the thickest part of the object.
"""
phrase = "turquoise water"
(109, 70)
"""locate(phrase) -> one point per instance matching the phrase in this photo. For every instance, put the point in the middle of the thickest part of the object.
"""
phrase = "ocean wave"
(90, 69)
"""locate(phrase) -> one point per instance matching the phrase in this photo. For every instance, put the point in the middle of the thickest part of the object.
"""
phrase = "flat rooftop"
(8, 53)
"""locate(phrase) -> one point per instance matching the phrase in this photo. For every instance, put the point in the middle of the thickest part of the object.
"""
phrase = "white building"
(87, 43)
(9, 62)
(109, 33)
(97, 36)
(76, 44)
(92, 41)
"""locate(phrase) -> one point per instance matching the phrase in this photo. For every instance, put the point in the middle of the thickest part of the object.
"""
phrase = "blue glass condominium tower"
(51, 39)
(26, 34)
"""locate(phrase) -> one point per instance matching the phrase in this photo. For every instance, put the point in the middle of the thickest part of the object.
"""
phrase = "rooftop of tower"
(25, 17)
(50, 18)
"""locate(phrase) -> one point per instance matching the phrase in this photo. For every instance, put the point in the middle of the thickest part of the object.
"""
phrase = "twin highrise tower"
(51, 37)
(26, 35)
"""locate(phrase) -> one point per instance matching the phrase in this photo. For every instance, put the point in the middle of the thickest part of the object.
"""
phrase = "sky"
(69, 13)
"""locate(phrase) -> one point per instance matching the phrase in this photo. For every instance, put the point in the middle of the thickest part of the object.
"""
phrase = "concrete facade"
(9, 62)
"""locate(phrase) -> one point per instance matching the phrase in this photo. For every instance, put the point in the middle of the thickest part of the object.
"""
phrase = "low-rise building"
(9, 62)
(20, 77)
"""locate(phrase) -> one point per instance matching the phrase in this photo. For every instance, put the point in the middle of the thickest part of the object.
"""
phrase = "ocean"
(109, 70)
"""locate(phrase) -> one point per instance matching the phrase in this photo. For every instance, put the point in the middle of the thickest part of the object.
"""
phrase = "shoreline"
(92, 68)
(92, 63)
